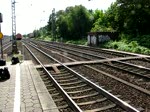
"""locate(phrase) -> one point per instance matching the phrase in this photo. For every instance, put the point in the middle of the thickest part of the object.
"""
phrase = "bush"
(145, 41)
(133, 44)
(123, 45)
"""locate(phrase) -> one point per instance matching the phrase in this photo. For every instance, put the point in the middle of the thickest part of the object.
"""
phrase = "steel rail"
(85, 47)
(93, 49)
(145, 91)
(132, 72)
(6, 47)
(6, 44)
(129, 64)
(107, 50)
(120, 80)
(67, 97)
(69, 52)
(78, 51)
(113, 98)
(108, 58)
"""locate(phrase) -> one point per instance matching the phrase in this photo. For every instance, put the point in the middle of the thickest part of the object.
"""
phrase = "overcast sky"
(33, 14)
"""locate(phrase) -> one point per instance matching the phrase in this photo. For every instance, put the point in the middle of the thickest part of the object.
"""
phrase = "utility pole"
(53, 24)
(14, 43)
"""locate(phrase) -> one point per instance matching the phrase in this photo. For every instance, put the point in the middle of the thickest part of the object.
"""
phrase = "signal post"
(1, 35)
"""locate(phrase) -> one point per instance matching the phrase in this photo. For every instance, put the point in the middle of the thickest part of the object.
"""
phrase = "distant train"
(18, 36)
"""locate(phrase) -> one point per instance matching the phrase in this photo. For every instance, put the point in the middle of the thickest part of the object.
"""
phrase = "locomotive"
(18, 36)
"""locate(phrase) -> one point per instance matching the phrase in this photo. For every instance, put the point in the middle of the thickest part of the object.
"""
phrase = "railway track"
(128, 67)
(110, 52)
(137, 76)
(79, 93)
(135, 87)
(106, 53)
(6, 46)
(139, 62)
(97, 51)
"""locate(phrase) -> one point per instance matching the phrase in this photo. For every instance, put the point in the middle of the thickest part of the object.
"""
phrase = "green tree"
(100, 22)
(111, 15)
(43, 31)
(134, 16)
(49, 26)
(62, 26)
(72, 23)
(80, 19)
(36, 33)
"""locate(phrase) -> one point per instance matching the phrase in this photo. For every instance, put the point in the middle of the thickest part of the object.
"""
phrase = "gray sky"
(33, 14)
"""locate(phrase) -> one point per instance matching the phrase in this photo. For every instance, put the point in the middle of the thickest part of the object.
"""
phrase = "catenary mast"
(14, 43)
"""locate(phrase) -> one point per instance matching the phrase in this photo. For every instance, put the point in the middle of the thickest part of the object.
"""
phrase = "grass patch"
(77, 42)
(82, 41)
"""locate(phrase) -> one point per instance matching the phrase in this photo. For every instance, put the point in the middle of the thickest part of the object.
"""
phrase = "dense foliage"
(134, 16)
(128, 17)
(73, 23)
(126, 45)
